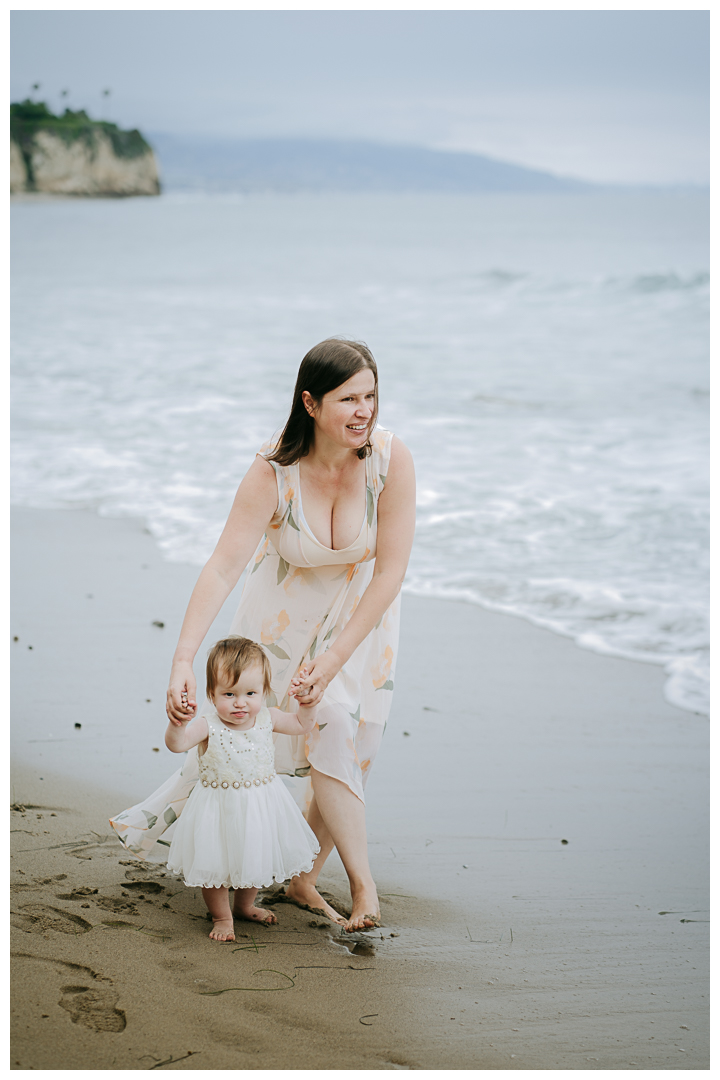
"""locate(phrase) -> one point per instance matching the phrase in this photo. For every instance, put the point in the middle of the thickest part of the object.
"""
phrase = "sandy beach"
(537, 821)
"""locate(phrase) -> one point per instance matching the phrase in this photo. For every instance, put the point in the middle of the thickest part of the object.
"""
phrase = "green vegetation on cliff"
(27, 118)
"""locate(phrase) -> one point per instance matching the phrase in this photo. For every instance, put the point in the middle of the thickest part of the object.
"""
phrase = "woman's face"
(345, 413)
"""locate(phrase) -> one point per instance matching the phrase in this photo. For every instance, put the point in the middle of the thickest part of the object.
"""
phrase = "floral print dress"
(297, 597)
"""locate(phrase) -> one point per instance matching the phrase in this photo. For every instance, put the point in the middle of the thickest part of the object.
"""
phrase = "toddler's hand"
(296, 681)
(308, 685)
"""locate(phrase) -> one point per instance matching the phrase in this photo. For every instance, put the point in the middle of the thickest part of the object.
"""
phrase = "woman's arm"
(395, 530)
(299, 723)
(181, 737)
(252, 510)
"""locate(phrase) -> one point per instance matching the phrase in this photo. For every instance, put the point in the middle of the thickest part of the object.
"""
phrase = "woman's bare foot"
(223, 930)
(254, 914)
(365, 912)
(306, 896)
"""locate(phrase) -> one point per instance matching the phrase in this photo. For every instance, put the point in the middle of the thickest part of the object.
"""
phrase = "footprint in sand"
(126, 905)
(138, 891)
(24, 886)
(363, 948)
(91, 1001)
(38, 918)
(143, 887)
(110, 904)
(94, 1007)
(80, 893)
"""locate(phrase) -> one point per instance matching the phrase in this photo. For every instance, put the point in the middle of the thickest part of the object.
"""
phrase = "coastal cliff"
(74, 155)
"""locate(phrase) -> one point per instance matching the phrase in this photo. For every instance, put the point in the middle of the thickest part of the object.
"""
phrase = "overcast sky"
(601, 95)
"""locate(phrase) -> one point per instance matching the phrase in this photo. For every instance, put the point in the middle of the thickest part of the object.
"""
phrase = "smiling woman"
(327, 376)
(329, 512)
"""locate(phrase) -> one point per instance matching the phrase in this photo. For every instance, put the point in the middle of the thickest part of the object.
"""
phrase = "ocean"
(545, 358)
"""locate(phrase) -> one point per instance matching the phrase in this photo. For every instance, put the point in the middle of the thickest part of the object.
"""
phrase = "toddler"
(240, 828)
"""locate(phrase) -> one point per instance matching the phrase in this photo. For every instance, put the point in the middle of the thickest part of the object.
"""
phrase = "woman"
(328, 512)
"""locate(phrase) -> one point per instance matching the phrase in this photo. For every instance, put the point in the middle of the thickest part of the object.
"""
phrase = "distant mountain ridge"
(336, 165)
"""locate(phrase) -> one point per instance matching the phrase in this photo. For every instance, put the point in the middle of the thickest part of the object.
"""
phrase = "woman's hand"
(181, 704)
(309, 684)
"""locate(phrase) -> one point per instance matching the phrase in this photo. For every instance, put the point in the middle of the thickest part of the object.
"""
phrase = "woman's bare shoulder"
(401, 460)
(263, 467)
(257, 495)
(260, 476)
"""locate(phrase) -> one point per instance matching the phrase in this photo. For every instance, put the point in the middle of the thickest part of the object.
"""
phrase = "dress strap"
(212, 722)
(283, 478)
(380, 457)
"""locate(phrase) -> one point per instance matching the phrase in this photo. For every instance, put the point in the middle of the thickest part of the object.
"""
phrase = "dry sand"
(502, 947)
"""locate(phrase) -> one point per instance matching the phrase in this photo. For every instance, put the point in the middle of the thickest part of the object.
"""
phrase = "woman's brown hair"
(327, 366)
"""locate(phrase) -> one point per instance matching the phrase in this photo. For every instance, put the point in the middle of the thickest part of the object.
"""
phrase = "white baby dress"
(240, 826)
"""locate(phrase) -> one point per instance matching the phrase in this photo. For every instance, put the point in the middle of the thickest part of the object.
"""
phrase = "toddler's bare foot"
(223, 930)
(365, 912)
(306, 896)
(254, 914)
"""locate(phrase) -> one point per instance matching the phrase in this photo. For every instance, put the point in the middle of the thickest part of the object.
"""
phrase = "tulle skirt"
(241, 838)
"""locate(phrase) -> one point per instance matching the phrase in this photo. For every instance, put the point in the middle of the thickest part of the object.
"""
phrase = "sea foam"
(544, 357)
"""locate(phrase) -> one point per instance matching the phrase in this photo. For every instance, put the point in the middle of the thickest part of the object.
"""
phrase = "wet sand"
(502, 947)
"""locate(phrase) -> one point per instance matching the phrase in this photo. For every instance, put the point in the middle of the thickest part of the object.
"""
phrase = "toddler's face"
(238, 705)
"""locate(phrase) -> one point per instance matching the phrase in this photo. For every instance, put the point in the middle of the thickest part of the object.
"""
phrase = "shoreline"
(548, 626)
(510, 948)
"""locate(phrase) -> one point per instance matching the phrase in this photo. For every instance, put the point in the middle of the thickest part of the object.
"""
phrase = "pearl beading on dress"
(238, 783)
(238, 759)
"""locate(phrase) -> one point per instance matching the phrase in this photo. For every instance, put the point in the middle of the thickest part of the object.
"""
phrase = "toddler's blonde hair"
(230, 657)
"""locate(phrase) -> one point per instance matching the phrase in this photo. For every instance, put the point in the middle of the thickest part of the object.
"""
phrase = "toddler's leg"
(243, 907)
(218, 904)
